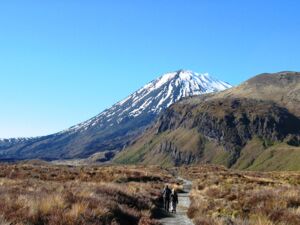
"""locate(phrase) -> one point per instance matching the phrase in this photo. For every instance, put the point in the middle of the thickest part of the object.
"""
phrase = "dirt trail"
(180, 218)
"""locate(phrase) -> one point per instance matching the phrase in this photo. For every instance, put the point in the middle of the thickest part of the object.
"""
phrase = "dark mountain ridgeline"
(239, 127)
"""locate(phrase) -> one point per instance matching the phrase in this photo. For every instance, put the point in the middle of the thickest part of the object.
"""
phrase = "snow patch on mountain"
(154, 97)
(15, 140)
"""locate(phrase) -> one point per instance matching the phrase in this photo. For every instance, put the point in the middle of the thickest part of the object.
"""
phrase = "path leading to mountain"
(180, 218)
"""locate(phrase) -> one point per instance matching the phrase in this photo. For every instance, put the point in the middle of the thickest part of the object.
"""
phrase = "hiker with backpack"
(167, 197)
(174, 200)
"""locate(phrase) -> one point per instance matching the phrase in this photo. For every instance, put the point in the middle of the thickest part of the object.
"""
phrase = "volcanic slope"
(252, 126)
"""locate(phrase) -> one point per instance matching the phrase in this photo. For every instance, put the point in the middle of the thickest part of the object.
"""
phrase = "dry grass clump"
(222, 197)
(54, 195)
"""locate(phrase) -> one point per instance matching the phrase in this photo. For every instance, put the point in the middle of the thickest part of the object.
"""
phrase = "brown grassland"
(225, 197)
(40, 193)
(63, 195)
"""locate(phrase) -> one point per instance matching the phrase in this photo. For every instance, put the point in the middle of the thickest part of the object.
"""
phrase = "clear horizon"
(63, 62)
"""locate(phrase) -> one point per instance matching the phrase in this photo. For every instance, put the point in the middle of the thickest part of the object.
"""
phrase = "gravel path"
(180, 218)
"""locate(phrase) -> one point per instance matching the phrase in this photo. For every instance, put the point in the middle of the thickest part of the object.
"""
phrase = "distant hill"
(282, 88)
(255, 125)
(113, 129)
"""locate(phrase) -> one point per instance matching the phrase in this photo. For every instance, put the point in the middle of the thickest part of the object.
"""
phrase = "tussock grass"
(65, 195)
(221, 196)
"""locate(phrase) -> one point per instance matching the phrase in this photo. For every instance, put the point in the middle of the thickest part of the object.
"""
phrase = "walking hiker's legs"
(168, 205)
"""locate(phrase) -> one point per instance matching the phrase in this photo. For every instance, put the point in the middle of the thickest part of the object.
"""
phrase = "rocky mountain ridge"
(220, 127)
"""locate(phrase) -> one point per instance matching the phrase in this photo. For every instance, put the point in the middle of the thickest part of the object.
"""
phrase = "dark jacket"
(167, 193)
(174, 198)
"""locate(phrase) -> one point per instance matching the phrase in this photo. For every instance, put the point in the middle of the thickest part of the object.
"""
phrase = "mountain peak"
(199, 81)
(115, 127)
(156, 96)
(179, 74)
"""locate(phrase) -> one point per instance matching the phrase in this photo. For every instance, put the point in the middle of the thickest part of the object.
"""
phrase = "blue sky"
(64, 61)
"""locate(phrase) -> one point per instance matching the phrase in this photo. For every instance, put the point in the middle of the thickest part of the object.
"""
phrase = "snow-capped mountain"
(155, 97)
(115, 127)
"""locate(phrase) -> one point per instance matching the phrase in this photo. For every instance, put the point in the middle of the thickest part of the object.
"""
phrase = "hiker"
(174, 200)
(167, 198)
